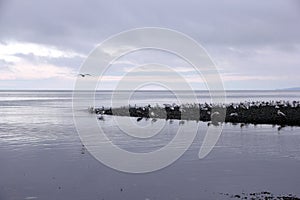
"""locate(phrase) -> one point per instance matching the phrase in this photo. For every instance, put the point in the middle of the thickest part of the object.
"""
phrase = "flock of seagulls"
(208, 107)
(258, 104)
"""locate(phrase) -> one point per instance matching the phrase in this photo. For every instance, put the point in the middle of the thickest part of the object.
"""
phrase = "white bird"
(182, 109)
(152, 114)
(213, 123)
(243, 106)
(281, 114)
(215, 114)
(234, 114)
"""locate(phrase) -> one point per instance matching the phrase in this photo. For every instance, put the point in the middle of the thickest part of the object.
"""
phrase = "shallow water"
(41, 154)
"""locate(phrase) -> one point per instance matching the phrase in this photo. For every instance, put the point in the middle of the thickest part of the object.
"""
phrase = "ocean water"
(41, 155)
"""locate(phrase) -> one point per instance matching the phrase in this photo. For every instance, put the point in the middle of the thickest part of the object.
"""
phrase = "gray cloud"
(233, 31)
(81, 24)
(72, 62)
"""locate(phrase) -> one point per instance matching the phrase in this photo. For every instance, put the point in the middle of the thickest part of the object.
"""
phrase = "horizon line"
(285, 89)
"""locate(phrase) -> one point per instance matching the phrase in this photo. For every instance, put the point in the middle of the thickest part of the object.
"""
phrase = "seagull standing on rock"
(234, 115)
(214, 116)
(281, 114)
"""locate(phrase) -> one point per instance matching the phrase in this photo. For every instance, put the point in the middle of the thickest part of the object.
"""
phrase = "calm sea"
(41, 154)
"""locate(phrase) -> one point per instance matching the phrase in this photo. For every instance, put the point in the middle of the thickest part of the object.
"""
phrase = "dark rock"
(280, 113)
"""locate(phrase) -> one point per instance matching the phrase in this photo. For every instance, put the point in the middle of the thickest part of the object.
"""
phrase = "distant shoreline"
(246, 90)
(290, 89)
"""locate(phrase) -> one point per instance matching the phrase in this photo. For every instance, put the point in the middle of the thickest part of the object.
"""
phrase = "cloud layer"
(255, 44)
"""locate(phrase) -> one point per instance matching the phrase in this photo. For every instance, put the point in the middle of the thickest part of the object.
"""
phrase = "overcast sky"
(255, 44)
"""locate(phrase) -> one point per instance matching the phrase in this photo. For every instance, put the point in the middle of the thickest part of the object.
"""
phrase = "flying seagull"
(84, 75)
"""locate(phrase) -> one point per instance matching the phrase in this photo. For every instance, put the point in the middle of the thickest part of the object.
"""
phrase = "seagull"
(213, 123)
(214, 117)
(280, 127)
(101, 118)
(84, 75)
(243, 106)
(281, 114)
(153, 120)
(215, 114)
(152, 114)
(182, 109)
(233, 115)
(139, 119)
